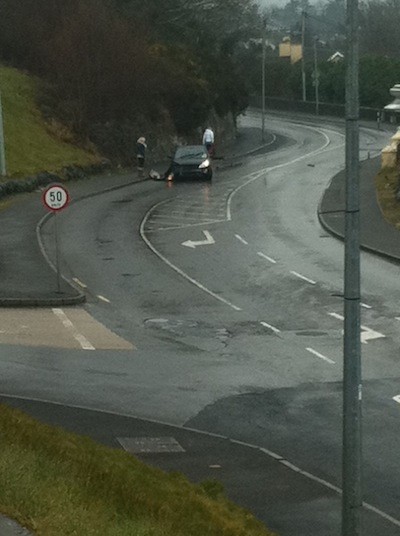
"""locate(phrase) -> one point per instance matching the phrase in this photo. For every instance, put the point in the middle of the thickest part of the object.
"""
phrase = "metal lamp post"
(352, 386)
(263, 81)
(316, 76)
(3, 170)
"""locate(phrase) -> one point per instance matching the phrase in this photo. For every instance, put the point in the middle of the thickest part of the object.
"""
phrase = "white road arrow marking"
(367, 334)
(193, 244)
(397, 398)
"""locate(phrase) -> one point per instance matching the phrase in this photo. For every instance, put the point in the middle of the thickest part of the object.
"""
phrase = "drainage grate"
(140, 445)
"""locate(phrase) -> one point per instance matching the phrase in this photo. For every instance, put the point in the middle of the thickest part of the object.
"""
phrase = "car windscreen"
(191, 152)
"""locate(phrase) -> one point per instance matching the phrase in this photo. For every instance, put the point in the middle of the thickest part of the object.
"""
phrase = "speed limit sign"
(56, 197)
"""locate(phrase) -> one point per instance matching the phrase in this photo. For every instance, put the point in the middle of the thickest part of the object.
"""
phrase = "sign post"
(55, 198)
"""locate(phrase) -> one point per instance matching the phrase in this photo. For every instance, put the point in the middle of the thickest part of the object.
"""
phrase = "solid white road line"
(270, 259)
(304, 278)
(275, 330)
(186, 428)
(78, 282)
(173, 266)
(85, 344)
(320, 355)
(241, 239)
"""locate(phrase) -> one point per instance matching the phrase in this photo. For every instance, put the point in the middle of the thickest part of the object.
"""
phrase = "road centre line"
(256, 175)
(241, 239)
(78, 282)
(304, 278)
(205, 433)
(169, 217)
(192, 213)
(182, 226)
(85, 344)
(314, 352)
(270, 259)
(275, 330)
(173, 266)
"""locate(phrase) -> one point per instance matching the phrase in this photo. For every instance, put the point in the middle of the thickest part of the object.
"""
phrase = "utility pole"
(3, 170)
(316, 76)
(264, 27)
(352, 382)
(303, 40)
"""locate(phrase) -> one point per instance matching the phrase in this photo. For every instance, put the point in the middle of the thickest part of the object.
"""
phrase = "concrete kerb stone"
(80, 297)
(62, 300)
(340, 236)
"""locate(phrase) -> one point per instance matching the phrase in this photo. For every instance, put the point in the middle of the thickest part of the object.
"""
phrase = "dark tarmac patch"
(249, 328)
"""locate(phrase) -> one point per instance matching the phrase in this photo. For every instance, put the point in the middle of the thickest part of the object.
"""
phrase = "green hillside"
(29, 145)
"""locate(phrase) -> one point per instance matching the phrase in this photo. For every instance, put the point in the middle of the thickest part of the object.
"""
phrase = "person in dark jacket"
(141, 153)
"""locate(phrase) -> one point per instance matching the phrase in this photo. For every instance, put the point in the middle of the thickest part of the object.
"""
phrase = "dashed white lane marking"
(275, 330)
(204, 433)
(173, 266)
(78, 282)
(85, 344)
(304, 278)
(367, 334)
(397, 399)
(366, 306)
(170, 218)
(103, 298)
(270, 259)
(312, 351)
(257, 174)
(241, 239)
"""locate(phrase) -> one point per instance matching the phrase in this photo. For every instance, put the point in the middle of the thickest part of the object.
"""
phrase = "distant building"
(290, 51)
(336, 57)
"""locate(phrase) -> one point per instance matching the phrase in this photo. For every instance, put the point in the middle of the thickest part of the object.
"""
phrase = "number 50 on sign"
(56, 197)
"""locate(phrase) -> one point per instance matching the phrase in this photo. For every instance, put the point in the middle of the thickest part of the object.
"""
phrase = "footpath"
(288, 500)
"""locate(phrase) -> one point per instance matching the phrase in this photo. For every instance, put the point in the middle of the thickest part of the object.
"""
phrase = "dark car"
(190, 162)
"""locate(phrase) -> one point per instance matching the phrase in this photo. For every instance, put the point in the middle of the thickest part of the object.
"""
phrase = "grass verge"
(58, 484)
(386, 184)
(30, 147)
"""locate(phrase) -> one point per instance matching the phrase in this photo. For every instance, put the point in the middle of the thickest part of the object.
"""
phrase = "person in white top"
(208, 140)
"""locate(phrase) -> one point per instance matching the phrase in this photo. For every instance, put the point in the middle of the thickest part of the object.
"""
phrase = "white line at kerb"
(275, 330)
(327, 359)
(173, 266)
(85, 344)
(186, 428)
(78, 282)
(242, 240)
(303, 277)
(270, 259)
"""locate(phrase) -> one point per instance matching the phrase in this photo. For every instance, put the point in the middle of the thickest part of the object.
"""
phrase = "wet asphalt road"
(240, 334)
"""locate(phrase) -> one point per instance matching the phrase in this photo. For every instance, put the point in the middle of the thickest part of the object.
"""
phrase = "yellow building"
(290, 51)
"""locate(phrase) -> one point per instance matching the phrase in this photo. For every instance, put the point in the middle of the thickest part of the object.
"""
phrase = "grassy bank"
(386, 183)
(32, 146)
(60, 484)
